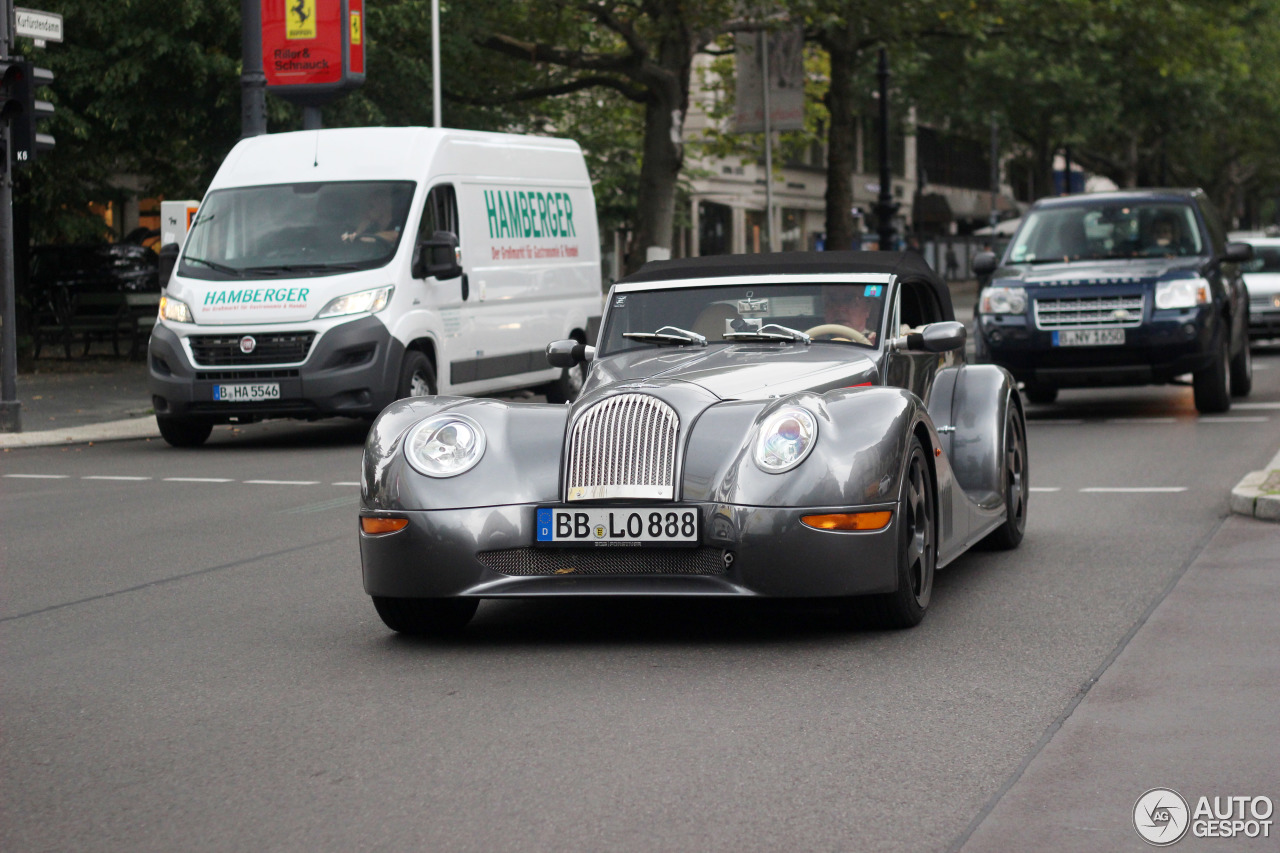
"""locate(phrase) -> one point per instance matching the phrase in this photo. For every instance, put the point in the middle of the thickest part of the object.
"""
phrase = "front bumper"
(1166, 345)
(488, 552)
(351, 369)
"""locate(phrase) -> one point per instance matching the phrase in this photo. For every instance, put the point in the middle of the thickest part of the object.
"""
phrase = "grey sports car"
(785, 425)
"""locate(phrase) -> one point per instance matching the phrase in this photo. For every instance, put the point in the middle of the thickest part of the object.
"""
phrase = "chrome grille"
(223, 350)
(605, 561)
(1265, 302)
(624, 447)
(1089, 312)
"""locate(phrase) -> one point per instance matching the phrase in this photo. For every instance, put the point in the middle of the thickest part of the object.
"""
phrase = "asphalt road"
(189, 661)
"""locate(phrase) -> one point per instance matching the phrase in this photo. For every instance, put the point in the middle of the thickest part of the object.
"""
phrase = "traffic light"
(21, 109)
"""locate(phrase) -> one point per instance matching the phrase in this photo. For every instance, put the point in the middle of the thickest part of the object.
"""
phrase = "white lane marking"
(108, 477)
(1046, 488)
(1255, 405)
(198, 480)
(348, 483)
(1142, 420)
(282, 482)
(1238, 419)
(39, 476)
(1136, 489)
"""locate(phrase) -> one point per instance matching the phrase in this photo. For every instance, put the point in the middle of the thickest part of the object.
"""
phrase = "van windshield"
(296, 229)
(1110, 229)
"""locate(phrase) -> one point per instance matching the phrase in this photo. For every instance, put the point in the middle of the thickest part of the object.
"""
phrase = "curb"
(1258, 494)
(110, 431)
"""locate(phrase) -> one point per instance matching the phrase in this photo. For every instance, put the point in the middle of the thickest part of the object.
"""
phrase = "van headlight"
(786, 438)
(445, 445)
(174, 309)
(1003, 300)
(364, 302)
(1182, 293)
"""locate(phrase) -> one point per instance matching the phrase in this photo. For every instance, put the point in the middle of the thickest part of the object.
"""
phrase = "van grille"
(624, 447)
(1089, 312)
(220, 350)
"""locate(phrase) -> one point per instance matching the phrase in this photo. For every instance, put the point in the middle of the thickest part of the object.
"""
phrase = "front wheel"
(1014, 473)
(1210, 384)
(425, 617)
(183, 432)
(1242, 371)
(417, 378)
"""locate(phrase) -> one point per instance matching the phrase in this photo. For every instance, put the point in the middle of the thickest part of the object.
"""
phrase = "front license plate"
(617, 526)
(1089, 338)
(246, 393)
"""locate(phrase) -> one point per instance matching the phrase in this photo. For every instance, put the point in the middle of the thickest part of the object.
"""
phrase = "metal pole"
(253, 82)
(995, 171)
(763, 43)
(10, 407)
(435, 64)
(885, 208)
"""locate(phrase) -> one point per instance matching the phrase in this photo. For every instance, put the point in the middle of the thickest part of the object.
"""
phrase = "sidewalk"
(97, 398)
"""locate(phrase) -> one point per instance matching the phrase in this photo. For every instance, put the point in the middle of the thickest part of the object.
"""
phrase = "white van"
(331, 272)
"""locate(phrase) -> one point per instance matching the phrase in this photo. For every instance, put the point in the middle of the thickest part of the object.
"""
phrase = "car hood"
(1109, 271)
(1262, 283)
(744, 371)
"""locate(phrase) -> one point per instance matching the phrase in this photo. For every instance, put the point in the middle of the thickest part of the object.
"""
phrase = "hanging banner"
(312, 50)
(786, 82)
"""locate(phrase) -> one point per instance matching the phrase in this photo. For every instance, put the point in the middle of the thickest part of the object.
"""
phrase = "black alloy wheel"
(1016, 484)
(1242, 370)
(1211, 384)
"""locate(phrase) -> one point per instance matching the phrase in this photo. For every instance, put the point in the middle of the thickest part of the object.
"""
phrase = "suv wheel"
(1242, 371)
(1211, 383)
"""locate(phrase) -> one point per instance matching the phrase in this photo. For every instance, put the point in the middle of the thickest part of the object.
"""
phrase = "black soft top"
(909, 266)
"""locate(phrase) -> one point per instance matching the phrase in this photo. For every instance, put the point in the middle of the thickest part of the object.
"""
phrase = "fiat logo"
(248, 344)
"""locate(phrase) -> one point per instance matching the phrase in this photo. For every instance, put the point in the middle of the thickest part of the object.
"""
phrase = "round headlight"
(445, 445)
(786, 438)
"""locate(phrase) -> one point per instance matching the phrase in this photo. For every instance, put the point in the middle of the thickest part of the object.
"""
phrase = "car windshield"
(296, 229)
(1265, 259)
(848, 314)
(1106, 230)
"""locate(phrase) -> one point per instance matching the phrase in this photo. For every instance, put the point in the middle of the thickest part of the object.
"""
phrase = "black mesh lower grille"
(604, 561)
(241, 375)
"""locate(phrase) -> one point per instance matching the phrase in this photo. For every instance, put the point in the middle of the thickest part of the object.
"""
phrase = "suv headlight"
(1182, 293)
(445, 445)
(1003, 300)
(786, 438)
(366, 301)
(175, 310)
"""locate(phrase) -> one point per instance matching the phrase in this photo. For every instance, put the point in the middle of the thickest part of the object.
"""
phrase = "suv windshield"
(1107, 230)
(296, 229)
(846, 313)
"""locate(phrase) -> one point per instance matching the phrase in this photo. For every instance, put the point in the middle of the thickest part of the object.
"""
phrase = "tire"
(1041, 395)
(567, 388)
(417, 377)
(1013, 472)
(425, 617)
(917, 548)
(183, 432)
(1211, 384)
(1242, 371)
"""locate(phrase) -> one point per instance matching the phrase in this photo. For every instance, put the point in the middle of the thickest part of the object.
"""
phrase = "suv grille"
(624, 447)
(524, 562)
(1089, 312)
(220, 350)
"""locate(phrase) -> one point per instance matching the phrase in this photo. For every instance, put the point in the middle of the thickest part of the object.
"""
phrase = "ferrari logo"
(300, 19)
(355, 28)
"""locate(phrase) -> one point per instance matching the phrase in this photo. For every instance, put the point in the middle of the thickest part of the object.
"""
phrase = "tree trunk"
(660, 167)
(840, 148)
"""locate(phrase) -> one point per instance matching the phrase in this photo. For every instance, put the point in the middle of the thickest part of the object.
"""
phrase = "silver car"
(1262, 278)
(789, 425)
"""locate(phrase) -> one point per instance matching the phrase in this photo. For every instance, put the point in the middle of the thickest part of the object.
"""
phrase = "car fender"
(520, 465)
(980, 397)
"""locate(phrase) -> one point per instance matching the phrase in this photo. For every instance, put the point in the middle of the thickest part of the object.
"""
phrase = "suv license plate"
(1089, 338)
(617, 526)
(246, 393)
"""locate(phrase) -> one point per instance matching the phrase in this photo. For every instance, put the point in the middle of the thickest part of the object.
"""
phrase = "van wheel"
(183, 432)
(417, 378)
(567, 388)
(1212, 382)
(1242, 372)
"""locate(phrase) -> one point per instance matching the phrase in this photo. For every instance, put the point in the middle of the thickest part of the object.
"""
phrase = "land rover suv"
(1135, 287)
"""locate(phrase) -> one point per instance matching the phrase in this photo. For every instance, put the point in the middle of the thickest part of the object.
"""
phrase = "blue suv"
(1134, 287)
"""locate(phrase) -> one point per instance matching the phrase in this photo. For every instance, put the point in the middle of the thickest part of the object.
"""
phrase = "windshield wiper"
(304, 268)
(667, 335)
(214, 265)
(770, 332)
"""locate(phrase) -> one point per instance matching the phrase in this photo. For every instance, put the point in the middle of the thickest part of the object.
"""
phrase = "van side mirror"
(1239, 252)
(168, 258)
(985, 263)
(437, 258)
(569, 354)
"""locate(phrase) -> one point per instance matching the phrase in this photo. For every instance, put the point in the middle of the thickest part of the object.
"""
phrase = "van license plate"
(247, 393)
(1089, 338)
(617, 526)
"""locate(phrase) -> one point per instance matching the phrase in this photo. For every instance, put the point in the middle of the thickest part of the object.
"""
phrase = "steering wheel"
(837, 332)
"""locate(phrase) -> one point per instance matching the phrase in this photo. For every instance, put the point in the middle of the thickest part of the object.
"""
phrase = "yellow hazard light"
(373, 525)
(849, 520)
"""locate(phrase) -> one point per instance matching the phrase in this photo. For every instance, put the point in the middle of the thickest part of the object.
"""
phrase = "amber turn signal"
(849, 520)
(373, 525)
